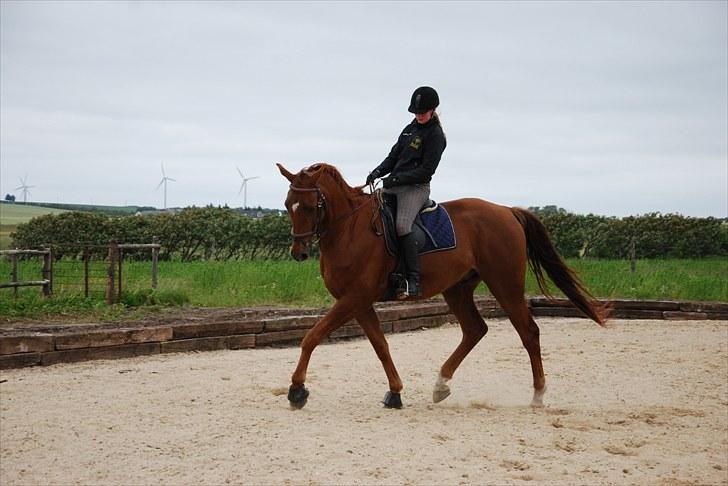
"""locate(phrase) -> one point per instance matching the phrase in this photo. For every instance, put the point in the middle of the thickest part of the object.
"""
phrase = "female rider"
(410, 165)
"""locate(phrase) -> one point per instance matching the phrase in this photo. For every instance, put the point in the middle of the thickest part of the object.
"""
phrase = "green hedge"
(221, 234)
(193, 234)
(655, 235)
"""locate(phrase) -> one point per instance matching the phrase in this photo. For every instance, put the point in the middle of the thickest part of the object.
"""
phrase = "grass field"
(288, 283)
(12, 215)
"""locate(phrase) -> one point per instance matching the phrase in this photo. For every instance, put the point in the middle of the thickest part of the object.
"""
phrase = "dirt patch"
(642, 402)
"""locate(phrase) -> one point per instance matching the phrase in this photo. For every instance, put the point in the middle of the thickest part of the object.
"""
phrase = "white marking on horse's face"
(294, 207)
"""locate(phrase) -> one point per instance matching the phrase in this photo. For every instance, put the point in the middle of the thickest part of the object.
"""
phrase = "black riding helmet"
(423, 100)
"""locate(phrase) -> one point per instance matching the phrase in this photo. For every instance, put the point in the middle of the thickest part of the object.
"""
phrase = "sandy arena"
(642, 402)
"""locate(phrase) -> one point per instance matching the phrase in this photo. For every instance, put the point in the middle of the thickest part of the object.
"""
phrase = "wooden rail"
(46, 284)
(139, 245)
(30, 346)
(32, 283)
(23, 252)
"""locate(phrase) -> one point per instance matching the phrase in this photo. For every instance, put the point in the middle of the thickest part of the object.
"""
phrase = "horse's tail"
(542, 255)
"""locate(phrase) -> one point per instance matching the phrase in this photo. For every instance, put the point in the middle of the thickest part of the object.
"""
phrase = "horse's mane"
(334, 176)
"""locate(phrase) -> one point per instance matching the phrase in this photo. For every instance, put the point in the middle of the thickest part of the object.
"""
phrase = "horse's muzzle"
(300, 251)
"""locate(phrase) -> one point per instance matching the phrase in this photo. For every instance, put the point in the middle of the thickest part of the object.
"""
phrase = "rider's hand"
(372, 175)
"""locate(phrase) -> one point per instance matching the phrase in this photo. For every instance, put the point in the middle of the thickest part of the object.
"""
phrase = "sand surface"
(643, 402)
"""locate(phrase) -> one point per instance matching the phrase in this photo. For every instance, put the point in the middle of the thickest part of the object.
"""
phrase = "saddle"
(433, 230)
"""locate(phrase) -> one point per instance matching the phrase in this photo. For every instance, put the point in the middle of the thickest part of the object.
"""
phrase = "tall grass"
(292, 284)
(677, 279)
(237, 283)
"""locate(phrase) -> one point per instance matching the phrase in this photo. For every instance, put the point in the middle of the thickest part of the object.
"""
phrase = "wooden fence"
(46, 282)
(114, 286)
(112, 275)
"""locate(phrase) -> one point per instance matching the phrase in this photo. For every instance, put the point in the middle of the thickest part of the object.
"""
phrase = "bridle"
(319, 216)
(317, 232)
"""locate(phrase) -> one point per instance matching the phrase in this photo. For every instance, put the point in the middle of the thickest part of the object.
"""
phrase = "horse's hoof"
(392, 400)
(440, 394)
(441, 390)
(297, 396)
(537, 401)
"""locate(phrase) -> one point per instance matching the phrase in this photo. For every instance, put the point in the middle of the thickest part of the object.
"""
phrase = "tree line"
(653, 235)
(207, 233)
(212, 233)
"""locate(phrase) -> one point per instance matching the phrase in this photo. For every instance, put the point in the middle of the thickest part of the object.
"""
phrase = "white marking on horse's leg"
(537, 401)
(441, 390)
(294, 207)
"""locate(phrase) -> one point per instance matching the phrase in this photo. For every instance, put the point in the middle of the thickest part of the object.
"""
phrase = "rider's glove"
(372, 175)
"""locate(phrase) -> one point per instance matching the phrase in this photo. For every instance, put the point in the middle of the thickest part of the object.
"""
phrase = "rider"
(410, 165)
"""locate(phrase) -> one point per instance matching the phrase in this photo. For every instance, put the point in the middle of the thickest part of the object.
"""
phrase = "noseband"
(319, 216)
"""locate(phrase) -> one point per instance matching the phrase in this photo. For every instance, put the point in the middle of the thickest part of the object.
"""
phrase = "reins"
(321, 213)
(376, 208)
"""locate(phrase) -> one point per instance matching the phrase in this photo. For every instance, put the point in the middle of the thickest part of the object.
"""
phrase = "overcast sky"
(613, 108)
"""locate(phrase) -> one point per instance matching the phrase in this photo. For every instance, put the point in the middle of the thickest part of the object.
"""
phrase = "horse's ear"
(285, 172)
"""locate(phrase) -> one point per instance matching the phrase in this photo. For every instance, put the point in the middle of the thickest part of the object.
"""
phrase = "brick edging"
(46, 348)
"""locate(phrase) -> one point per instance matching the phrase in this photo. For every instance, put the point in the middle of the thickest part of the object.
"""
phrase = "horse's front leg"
(338, 315)
(369, 321)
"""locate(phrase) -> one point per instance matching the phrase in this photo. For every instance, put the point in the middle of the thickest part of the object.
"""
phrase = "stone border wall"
(48, 348)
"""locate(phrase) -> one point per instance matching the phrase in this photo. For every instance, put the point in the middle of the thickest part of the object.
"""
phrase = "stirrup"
(413, 291)
(403, 293)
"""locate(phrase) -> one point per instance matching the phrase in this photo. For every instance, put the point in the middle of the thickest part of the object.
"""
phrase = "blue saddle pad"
(438, 226)
(433, 228)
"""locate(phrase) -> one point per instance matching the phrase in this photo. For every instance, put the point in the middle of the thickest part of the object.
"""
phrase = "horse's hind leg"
(514, 304)
(460, 300)
(369, 321)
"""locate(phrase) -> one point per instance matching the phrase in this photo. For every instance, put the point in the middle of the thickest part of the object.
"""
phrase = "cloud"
(597, 107)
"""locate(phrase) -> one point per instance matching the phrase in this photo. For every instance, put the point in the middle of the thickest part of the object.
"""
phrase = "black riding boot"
(408, 245)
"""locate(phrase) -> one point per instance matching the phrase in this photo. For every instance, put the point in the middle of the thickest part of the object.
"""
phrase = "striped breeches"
(410, 200)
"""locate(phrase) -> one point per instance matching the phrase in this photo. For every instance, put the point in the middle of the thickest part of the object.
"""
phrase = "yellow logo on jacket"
(416, 143)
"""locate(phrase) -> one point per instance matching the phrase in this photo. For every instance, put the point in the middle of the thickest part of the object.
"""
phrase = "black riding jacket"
(415, 156)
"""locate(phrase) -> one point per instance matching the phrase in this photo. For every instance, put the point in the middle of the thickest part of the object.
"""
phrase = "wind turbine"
(164, 181)
(24, 187)
(244, 187)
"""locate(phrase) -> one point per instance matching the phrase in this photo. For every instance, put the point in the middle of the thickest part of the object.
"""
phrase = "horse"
(494, 245)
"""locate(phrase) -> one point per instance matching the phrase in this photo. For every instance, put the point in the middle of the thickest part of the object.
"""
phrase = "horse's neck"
(342, 201)
(348, 223)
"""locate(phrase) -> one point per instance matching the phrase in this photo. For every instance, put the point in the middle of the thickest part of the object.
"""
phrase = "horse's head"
(306, 207)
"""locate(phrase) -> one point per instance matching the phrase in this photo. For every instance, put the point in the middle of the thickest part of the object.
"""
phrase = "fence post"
(47, 273)
(632, 257)
(111, 270)
(85, 271)
(118, 277)
(50, 270)
(14, 273)
(155, 258)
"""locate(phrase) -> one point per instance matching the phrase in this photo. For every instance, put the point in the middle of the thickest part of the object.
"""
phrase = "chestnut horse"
(494, 244)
